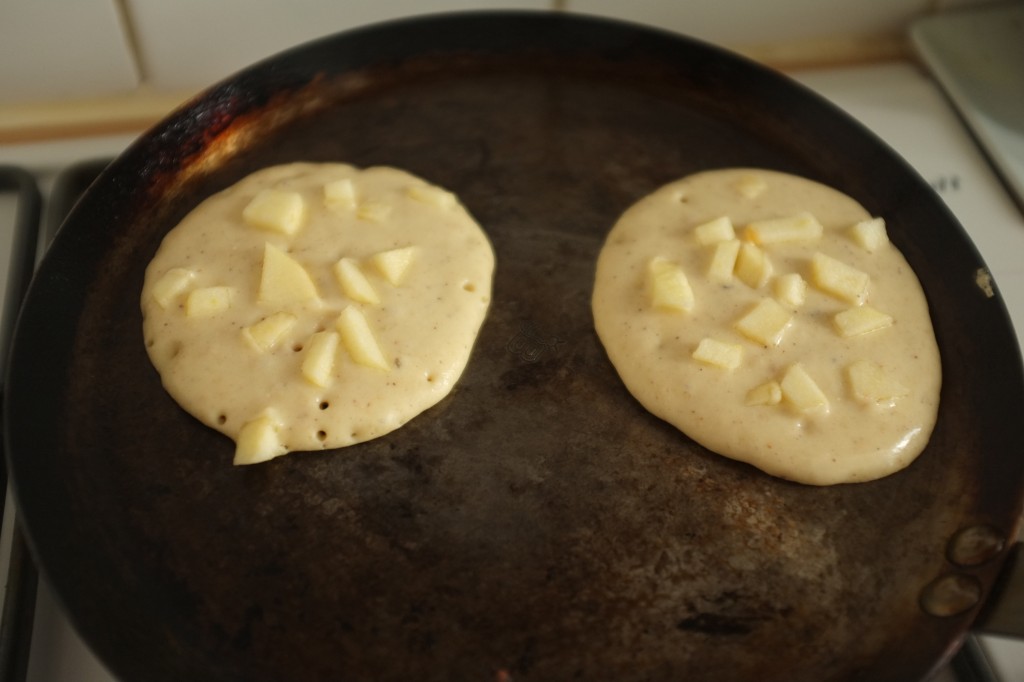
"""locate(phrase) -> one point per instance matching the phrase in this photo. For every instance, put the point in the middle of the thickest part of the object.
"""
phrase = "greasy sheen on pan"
(313, 306)
(770, 319)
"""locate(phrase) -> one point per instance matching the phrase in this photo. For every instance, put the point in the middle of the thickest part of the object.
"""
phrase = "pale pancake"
(425, 325)
(849, 439)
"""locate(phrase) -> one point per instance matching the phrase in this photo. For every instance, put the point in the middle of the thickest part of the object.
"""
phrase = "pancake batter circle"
(769, 318)
(314, 306)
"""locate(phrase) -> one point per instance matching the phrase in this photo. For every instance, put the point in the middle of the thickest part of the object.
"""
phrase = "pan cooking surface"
(538, 521)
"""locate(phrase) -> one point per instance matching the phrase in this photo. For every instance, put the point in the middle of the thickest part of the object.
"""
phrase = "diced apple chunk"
(353, 282)
(719, 353)
(802, 227)
(266, 334)
(358, 339)
(769, 393)
(276, 210)
(171, 284)
(801, 391)
(751, 186)
(340, 194)
(209, 301)
(753, 266)
(765, 323)
(871, 384)
(668, 287)
(714, 231)
(860, 320)
(435, 196)
(283, 281)
(259, 440)
(791, 289)
(374, 211)
(318, 358)
(394, 264)
(723, 261)
(870, 234)
(838, 279)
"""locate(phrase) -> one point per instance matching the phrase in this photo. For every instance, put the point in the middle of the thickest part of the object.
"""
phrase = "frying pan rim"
(116, 171)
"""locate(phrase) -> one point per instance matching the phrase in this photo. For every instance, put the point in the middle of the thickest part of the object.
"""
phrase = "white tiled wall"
(739, 22)
(51, 49)
(185, 44)
(60, 49)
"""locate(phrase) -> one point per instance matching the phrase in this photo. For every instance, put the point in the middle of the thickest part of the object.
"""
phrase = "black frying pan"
(537, 523)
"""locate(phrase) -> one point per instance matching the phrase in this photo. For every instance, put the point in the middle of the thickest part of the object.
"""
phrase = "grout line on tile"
(131, 38)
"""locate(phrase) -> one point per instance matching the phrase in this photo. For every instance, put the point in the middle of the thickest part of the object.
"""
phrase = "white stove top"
(899, 102)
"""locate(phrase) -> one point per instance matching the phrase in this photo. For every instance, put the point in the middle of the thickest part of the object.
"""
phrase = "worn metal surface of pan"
(538, 523)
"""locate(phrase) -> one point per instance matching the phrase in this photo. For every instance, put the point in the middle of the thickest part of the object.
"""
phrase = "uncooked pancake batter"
(313, 306)
(770, 319)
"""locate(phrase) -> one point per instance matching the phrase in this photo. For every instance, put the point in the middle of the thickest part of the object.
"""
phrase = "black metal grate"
(22, 578)
(20, 593)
